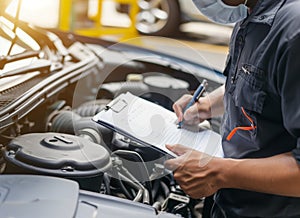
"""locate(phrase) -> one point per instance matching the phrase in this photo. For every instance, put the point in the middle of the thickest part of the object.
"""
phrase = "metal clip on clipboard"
(116, 106)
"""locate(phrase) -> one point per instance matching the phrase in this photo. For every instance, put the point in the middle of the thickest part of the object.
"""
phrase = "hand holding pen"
(197, 94)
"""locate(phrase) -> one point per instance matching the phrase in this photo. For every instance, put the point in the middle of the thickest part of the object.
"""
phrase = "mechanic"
(260, 174)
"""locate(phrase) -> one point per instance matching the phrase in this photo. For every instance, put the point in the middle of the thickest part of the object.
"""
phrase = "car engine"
(46, 131)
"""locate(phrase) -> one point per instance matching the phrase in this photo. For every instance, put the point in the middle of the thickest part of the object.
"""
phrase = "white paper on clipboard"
(153, 125)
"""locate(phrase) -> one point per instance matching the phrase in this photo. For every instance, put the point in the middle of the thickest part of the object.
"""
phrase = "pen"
(197, 94)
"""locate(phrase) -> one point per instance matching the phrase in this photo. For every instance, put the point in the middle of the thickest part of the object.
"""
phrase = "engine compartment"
(46, 127)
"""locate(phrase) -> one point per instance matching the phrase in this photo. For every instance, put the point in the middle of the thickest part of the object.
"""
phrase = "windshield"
(22, 43)
(18, 51)
(45, 12)
(13, 44)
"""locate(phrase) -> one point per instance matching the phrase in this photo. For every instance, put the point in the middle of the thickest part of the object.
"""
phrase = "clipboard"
(154, 126)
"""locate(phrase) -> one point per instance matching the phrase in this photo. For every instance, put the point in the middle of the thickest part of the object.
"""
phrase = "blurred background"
(128, 20)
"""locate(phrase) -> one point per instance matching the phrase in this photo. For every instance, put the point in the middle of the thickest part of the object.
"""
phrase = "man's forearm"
(278, 175)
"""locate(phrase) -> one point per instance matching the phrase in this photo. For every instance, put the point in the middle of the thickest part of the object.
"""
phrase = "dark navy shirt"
(263, 77)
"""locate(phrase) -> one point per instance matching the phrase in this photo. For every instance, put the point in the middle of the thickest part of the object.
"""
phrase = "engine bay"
(46, 127)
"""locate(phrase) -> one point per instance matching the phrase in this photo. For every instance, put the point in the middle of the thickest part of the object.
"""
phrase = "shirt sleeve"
(296, 152)
(289, 89)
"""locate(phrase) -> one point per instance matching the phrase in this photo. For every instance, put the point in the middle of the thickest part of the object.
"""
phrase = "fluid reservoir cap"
(58, 154)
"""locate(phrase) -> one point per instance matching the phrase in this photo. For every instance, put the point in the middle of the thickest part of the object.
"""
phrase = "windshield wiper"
(41, 65)
(11, 58)
(13, 42)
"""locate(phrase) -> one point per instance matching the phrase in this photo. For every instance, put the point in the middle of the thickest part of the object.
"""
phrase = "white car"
(163, 17)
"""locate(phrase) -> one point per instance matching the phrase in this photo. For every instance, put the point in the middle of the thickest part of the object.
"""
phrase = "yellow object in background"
(75, 17)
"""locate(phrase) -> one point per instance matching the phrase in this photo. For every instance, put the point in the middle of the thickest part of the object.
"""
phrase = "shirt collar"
(264, 12)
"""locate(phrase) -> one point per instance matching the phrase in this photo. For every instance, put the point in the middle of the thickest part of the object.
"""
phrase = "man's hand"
(207, 107)
(198, 174)
(197, 113)
(201, 175)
